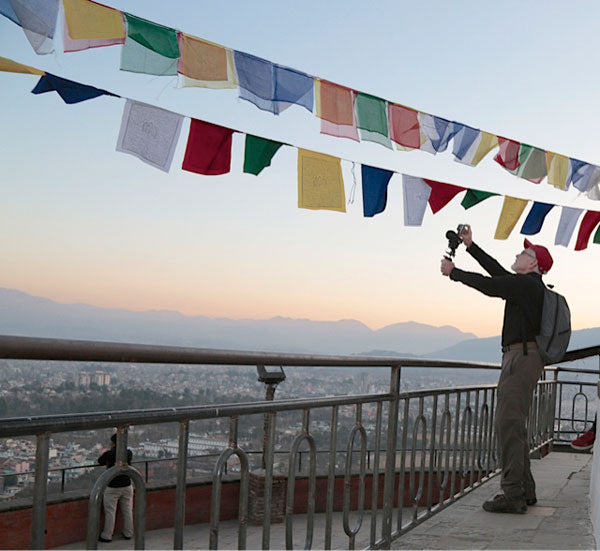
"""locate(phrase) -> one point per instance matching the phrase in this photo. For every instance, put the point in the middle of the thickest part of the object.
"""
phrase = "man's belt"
(531, 345)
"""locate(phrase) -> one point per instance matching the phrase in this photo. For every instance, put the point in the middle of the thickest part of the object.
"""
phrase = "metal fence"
(439, 441)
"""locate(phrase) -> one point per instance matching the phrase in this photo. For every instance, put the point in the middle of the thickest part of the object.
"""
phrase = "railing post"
(40, 490)
(184, 432)
(390, 458)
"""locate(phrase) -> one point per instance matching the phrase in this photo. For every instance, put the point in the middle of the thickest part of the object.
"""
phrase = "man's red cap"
(543, 256)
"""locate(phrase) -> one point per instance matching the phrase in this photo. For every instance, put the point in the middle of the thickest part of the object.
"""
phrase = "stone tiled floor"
(560, 520)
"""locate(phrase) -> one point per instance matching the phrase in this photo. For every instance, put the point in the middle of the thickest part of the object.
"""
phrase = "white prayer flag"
(566, 225)
(416, 193)
(149, 133)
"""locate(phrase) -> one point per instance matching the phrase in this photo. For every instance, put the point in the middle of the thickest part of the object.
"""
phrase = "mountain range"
(27, 315)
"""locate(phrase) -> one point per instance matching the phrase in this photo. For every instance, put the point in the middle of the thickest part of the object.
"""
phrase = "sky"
(83, 223)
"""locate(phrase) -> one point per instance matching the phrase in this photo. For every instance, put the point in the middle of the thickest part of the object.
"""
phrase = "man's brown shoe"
(502, 504)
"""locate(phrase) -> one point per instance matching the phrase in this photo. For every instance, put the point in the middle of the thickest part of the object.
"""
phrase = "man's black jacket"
(108, 458)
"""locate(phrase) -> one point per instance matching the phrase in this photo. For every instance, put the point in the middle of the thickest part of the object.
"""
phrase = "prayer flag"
(255, 78)
(465, 139)
(320, 183)
(374, 187)
(371, 115)
(155, 37)
(204, 64)
(208, 148)
(535, 219)
(335, 108)
(438, 131)
(88, 20)
(7, 11)
(77, 45)
(136, 58)
(566, 226)
(532, 164)
(594, 193)
(293, 87)
(508, 156)
(38, 20)
(512, 208)
(404, 126)
(558, 169)
(475, 196)
(583, 175)
(258, 153)
(149, 133)
(69, 91)
(597, 236)
(416, 193)
(441, 194)
(589, 222)
(10, 66)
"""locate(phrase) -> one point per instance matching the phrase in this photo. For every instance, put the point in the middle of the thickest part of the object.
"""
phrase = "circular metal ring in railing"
(351, 532)
(443, 476)
(573, 401)
(215, 502)
(415, 497)
(467, 414)
(483, 432)
(312, 486)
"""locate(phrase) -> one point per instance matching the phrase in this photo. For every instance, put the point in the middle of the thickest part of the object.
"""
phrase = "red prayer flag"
(404, 126)
(208, 148)
(441, 194)
(508, 156)
(589, 222)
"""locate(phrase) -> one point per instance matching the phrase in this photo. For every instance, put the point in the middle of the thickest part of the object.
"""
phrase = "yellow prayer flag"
(558, 169)
(91, 21)
(320, 183)
(512, 208)
(10, 66)
(205, 64)
(487, 143)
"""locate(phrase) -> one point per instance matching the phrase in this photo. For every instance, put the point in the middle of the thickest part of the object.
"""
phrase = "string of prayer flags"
(508, 155)
(512, 208)
(441, 194)
(320, 183)
(404, 126)
(208, 148)
(474, 197)
(335, 108)
(90, 25)
(10, 66)
(535, 219)
(371, 116)
(532, 164)
(566, 226)
(558, 169)
(149, 133)
(38, 20)
(415, 192)
(69, 91)
(589, 222)
(258, 153)
(204, 64)
(374, 187)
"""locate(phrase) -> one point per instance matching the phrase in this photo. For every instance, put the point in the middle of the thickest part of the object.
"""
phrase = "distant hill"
(27, 315)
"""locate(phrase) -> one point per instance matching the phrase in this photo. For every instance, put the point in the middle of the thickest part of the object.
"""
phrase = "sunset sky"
(81, 222)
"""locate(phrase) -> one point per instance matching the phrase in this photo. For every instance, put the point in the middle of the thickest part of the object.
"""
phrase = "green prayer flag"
(159, 39)
(532, 163)
(475, 196)
(258, 153)
(371, 114)
(597, 236)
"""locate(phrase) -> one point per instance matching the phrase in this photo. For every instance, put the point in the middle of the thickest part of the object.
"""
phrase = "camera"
(454, 240)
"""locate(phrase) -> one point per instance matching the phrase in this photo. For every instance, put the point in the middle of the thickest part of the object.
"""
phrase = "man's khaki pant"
(518, 379)
(123, 496)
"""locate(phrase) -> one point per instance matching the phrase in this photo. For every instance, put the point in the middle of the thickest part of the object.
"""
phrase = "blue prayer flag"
(374, 185)
(69, 91)
(293, 87)
(464, 137)
(255, 79)
(535, 219)
(7, 11)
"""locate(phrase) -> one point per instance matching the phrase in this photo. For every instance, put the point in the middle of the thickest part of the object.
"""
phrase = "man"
(522, 366)
(119, 490)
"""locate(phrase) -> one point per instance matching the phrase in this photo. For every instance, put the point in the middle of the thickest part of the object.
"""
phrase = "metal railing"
(451, 456)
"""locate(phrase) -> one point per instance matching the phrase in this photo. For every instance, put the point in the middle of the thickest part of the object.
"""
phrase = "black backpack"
(555, 328)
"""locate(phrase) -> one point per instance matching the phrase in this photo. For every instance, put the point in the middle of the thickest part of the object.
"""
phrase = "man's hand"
(467, 236)
(447, 266)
